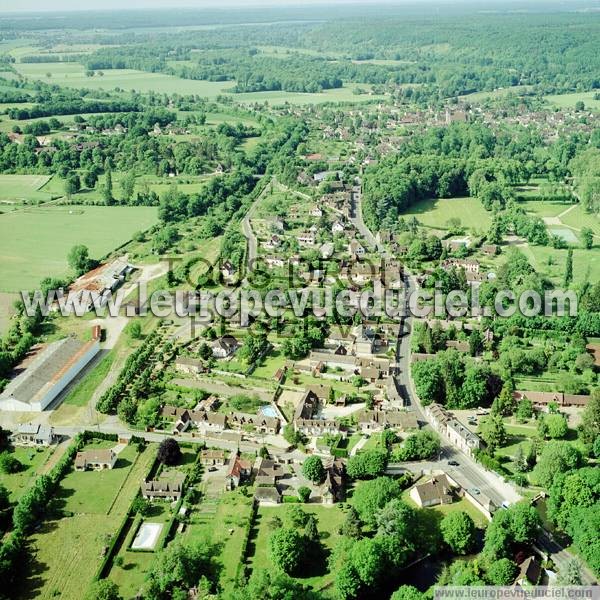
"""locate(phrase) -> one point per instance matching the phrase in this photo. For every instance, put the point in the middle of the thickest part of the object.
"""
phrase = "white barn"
(48, 375)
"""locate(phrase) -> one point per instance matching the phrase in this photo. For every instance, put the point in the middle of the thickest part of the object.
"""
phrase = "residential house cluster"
(452, 429)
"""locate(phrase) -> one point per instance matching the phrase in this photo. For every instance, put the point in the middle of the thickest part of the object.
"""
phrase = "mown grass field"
(33, 460)
(578, 218)
(65, 545)
(551, 262)
(73, 75)
(34, 242)
(15, 189)
(569, 100)
(436, 213)
(222, 522)
(329, 520)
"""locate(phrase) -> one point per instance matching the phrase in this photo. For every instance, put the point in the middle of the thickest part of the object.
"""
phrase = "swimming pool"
(268, 411)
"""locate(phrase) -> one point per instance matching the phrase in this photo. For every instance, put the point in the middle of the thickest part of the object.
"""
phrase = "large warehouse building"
(47, 375)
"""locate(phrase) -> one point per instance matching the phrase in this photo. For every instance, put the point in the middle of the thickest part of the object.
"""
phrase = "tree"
(475, 342)
(9, 464)
(313, 469)
(556, 425)
(351, 527)
(270, 585)
(502, 572)
(374, 495)
(128, 186)
(589, 429)
(140, 506)
(178, 568)
(285, 549)
(419, 446)
(72, 185)
(504, 404)
(367, 558)
(103, 589)
(569, 268)
(458, 531)
(205, 351)
(311, 531)
(107, 189)
(4, 498)
(369, 463)
(407, 592)
(169, 452)
(397, 527)
(134, 330)
(524, 410)
(556, 457)
(304, 493)
(570, 573)
(493, 432)
(296, 516)
(79, 259)
(587, 238)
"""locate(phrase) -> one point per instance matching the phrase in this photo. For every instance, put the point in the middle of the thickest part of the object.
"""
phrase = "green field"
(34, 243)
(578, 218)
(436, 213)
(15, 189)
(33, 461)
(569, 100)
(551, 262)
(329, 520)
(74, 543)
(73, 75)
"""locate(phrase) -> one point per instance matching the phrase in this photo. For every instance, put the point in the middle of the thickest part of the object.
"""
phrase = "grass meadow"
(86, 514)
(435, 213)
(16, 189)
(34, 242)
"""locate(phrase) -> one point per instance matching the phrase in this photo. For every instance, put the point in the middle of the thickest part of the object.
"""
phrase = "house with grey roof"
(48, 374)
(29, 434)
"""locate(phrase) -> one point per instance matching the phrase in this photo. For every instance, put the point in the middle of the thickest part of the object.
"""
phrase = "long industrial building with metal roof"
(47, 375)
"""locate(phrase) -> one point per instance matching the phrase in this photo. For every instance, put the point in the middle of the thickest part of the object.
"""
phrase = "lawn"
(15, 189)
(273, 361)
(543, 208)
(551, 262)
(75, 544)
(436, 213)
(33, 461)
(92, 492)
(569, 100)
(56, 230)
(329, 520)
(578, 218)
(222, 521)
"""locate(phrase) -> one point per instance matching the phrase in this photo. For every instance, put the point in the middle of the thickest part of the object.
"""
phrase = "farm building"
(48, 375)
(92, 287)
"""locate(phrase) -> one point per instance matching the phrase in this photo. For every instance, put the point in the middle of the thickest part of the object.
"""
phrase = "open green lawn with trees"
(329, 519)
(34, 243)
(32, 461)
(222, 521)
(436, 213)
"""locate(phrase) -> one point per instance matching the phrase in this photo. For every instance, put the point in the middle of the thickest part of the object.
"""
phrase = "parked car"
(453, 463)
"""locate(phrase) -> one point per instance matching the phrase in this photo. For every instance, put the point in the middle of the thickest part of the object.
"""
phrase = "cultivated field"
(34, 242)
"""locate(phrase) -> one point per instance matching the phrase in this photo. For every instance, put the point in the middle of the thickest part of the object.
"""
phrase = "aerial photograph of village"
(299, 300)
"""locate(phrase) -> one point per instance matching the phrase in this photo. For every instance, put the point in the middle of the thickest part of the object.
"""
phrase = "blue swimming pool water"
(268, 411)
